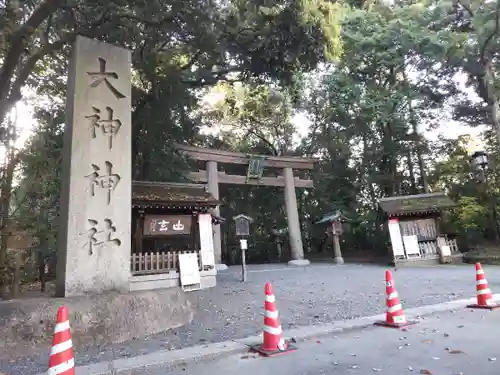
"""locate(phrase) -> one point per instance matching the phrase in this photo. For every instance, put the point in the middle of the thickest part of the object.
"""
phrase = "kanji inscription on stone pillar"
(94, 243)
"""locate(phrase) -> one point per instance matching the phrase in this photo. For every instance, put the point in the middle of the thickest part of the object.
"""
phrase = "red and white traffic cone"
(395, 316)
(274, 343)
(484, 295)
(61, 361)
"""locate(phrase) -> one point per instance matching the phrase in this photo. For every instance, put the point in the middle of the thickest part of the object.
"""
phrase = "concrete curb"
(165, 358)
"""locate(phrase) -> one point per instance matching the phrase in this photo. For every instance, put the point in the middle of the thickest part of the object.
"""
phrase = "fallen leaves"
(426, 372)
(427, 341)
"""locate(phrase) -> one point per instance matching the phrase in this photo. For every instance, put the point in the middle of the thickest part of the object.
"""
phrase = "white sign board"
(243, 244)
(411, 246)
(206, 240)
(190, 271)
(398, 249)
(445, 251)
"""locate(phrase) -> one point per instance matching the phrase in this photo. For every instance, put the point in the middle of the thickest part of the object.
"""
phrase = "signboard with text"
(167, 225)
(398, 249)
(206, 240)
(189, 271)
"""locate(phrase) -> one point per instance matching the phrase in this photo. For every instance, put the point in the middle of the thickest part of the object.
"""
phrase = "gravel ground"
(317, 294)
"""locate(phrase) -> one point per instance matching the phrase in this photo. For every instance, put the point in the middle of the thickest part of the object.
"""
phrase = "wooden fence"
(159, 262)
(430, 248)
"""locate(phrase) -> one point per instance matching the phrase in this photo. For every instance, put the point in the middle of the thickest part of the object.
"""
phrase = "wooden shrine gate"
(256, 163)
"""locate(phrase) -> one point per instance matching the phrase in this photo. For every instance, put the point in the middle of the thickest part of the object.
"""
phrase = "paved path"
(311, 295)
(446, 344)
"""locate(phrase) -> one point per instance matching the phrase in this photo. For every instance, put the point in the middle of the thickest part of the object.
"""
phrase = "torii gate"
(213, 178)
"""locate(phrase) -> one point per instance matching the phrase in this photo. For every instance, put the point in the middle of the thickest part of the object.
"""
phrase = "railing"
(430, 248)
(159, 262)
(452, 243)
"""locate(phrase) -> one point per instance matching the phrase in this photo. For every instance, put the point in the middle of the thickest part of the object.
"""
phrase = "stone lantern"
(334, 220)
(279, 239)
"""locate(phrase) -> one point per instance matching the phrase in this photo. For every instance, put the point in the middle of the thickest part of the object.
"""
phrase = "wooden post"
(16, 281)
(139, 224)
(243, 247)
(292, 215)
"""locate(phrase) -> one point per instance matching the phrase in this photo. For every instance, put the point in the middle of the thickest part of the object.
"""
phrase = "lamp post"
(480, 164)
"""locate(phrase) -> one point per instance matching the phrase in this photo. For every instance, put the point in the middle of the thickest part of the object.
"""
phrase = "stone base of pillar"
(220, 267)
(339, 260)
(299, 262)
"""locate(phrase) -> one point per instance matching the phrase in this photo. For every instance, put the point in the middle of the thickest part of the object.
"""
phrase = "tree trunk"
(413, 183)
(418, 150)
(491, 98)
(366, 171)
(16, 279)
(5, 198)
(423, 174)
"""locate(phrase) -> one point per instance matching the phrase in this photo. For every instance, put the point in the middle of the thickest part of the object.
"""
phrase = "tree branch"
(27, 69)
(263, 139)
(466, 7)
(17, 43)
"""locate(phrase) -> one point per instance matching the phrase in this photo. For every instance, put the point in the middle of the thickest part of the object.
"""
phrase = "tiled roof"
(416, 204)
(172, 194)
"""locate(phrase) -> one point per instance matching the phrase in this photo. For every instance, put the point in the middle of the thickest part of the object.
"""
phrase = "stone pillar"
(292, 215)
(213, 188)
(336, 249)
(94, 243)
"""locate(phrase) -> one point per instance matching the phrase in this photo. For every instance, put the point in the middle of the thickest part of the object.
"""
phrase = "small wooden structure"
(167, 221)
(335, 229)
(414, 224)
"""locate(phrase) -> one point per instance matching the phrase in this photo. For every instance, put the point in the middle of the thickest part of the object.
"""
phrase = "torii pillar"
(213, 188)
(292, 217)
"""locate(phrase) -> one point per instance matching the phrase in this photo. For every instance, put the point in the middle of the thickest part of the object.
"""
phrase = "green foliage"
(471, 213)
(36, 198)
(328, 17)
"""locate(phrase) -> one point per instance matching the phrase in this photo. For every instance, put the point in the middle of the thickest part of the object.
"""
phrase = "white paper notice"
(206, 240)
(411, 246)
(445, 251)
(398, 249)
(243, 244)
(190, 271)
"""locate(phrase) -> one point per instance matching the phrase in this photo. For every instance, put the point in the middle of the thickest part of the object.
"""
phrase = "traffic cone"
(61, 361)
(395, 316)
(484, 295)
(274, 343)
